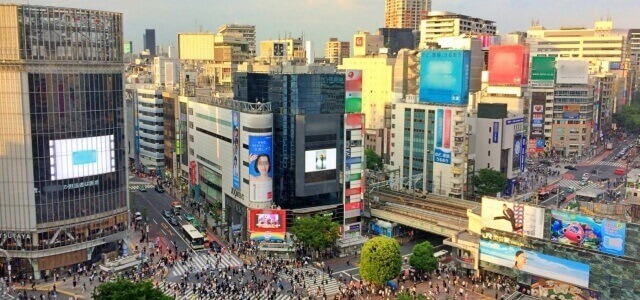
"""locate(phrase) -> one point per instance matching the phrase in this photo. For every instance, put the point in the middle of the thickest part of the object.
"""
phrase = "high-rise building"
(365, 43)
(405, 13)
(63, 186)
(396, 39)
(336, 50)
(247, 32)
(149, 39)
(128, 47)
(439, 24)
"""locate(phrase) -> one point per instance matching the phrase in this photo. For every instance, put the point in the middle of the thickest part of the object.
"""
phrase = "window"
(489, 153)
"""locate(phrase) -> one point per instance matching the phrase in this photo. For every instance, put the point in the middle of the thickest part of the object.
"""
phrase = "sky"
(319, 20)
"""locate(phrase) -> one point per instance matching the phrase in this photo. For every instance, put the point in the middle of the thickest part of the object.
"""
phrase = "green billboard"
(543, 68)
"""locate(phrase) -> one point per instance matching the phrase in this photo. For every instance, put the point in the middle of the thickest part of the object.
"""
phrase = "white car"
(585, 176)
(138, 216)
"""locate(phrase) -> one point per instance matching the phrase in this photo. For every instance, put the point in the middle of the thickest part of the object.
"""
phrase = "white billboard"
(513, 217)
(319, 160)
(572, 72)
(72, 158)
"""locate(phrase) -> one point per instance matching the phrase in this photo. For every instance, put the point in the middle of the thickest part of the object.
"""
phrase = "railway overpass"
(436, 214)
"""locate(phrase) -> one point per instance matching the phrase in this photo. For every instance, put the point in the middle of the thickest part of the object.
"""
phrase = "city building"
(308, 112)
(336, 51)
(283, 50)
(603, 106)
(395, 39)
(507, 77)
(443, 23)
(128, 47)
(366, 43)
(166, 72)
(150, 129)
(63, 192)
(405, 13)
(149, 39)
(248, 32)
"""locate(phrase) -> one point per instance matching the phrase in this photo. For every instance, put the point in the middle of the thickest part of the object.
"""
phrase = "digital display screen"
(72, 158)
(268, 221)
(319, 160)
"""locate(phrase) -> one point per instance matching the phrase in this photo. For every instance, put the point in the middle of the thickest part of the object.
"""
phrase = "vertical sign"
(354, 164)
(442, 151)
(353, 91)
(260, 171)
(278, 49)
(235, 123)
(523, 152)
(496, 131)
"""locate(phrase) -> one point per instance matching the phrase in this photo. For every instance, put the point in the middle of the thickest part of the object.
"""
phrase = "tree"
(408, 296)
(125, 289)
(489, 182)
(317, 232)
(374, 161)
(380, 260)
(422, 258)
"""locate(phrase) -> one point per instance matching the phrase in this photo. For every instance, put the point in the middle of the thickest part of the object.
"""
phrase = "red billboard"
(193, 176)
(508, 65)
(267, 224)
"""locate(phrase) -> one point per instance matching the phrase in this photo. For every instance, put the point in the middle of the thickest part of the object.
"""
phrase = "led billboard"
(444, 76)
(260, 170)
(534, 262)
(554, 289)
(571, 112)
(508, 65)
(513, 217)
(602, 235)
(353, 91)
(81, 157)
(519, 151)
(442, 145)
(543, 69)
(538, 100)
(235, 143)
(319, 160)
(572, 72)
(267, 225)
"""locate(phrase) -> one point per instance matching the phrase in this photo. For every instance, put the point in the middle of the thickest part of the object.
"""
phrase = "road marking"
(154, 221)
(163, 231)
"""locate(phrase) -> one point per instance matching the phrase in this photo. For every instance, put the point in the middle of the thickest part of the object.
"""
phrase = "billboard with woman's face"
(260, 168)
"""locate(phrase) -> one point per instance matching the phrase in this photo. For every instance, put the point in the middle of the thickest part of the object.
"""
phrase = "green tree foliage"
(629, 117)
(408, 296)
(316, 232)
(380, 260)
(123, 289)
(422, 258)
(374, 161)
(489, 182)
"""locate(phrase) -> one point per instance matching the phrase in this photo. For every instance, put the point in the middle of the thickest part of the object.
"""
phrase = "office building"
(150, 129)
(310, 52)
(247, 32)
(283, 50)
(336, 51)
(507, 77)
(395, 39)
(63, 192)
(443, 23)
(308, 112)
(405, 13)
(366, 43)
(166, 72)
(149, 39)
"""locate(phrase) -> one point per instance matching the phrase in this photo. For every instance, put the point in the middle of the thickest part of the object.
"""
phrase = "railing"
(43, 245)
(243, 106)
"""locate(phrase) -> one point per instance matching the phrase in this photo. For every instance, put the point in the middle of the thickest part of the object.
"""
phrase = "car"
(619, 172)
(583, 183)
(142, 188)
(189, 217)
(215, 246)
(570, 167)
(137, 216)
(174, 221)
(158, 189)
(167, 214)
(585, 176)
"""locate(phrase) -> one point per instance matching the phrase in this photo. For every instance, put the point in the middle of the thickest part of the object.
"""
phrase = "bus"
(193, 236)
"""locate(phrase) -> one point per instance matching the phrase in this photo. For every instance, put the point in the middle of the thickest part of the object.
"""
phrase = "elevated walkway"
(434, 222)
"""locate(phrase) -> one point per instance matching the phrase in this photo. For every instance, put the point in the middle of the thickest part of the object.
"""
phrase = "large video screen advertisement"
(444, 76)
(267, 225)
(442, 145)
(535, 263)
(513, 217)
(235, 122)
(319, 160)
(260, 168)
(602, 235)
(81, 157)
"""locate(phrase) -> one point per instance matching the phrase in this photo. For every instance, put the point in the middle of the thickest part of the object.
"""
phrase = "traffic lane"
(155, 204)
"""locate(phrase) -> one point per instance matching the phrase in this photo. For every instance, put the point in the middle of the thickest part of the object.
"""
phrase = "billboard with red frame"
(267, 224)
(508, 65)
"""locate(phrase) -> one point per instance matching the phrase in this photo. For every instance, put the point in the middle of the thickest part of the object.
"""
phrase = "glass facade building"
(63, 182)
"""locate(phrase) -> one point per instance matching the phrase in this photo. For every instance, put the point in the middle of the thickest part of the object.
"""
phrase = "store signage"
(237, 194)
(502, 239)
(14, 235)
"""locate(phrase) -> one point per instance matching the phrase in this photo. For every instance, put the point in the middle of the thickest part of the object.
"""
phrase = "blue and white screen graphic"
(72, 158)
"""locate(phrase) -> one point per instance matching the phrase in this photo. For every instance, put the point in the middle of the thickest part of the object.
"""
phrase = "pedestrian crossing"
(201, 260)
(134, 186)
(188, 294)
(313, 282)
(576, 184)
(609, 163)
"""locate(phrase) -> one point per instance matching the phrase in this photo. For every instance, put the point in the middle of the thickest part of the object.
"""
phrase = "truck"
(609, 146)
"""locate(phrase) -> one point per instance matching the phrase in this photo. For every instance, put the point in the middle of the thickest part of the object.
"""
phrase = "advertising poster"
(534, 263)
(495, 132)
(517, 151)
(508, 65)
(523, 152)
(81, 157)
(353, 91)
(444, 76)
(553, 289)
(193, 173)
(319, 160)
(267, 225)
(602, 235)
(543, 70)
(513, 217)
(571, 112)
(235, 143)
(442, 151)
(260, 170)
(572, 72)
(353, 160)
(538, 100)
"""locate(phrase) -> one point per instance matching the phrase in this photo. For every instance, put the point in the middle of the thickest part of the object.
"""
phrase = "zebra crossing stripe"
(331, 288)
(163, 286)
(202, 261)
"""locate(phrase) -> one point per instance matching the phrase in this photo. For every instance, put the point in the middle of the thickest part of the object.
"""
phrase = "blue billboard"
(235, 122)
(535, 263)
(444, 76)
(588, 232)
(260, 168)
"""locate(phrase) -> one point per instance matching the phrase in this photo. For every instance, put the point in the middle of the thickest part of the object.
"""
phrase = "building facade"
(336, 51)
(149, 39)
(150, 123)
(64, 198)
(248, 32)
(439, 24)
(405, 13)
